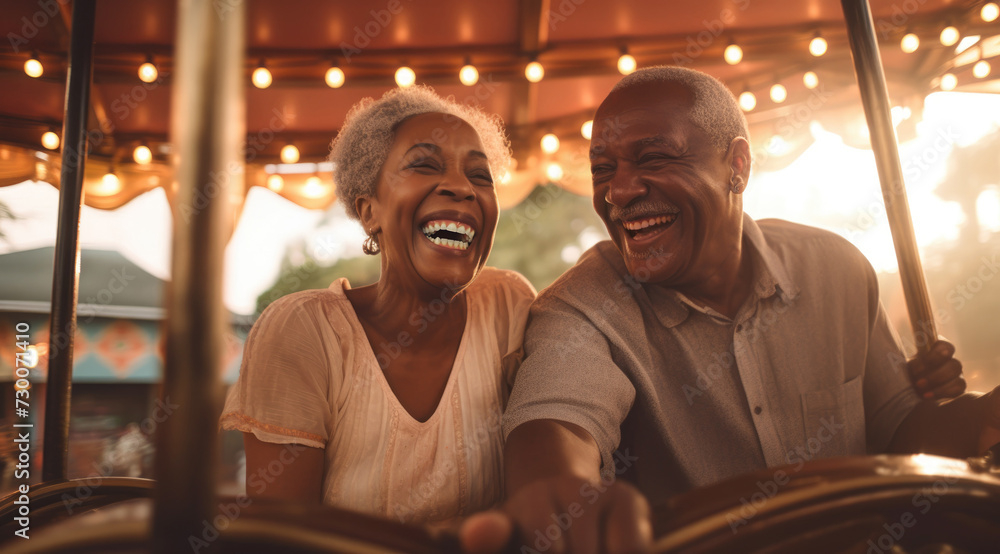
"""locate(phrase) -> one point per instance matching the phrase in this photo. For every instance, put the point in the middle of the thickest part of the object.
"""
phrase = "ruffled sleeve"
(284, 389)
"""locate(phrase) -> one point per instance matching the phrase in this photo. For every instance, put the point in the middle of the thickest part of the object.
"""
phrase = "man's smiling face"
(661, 186)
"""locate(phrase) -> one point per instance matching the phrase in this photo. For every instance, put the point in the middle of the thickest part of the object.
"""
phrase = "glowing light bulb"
(148, 72)
(261, 77)
(949, 35)
(587, 129)
(275, 183)
(626, 64)
(554, 172)
(989, 12)
(142, 155)
(910, 43)
(289, 154)
(949, 81)
(733, 54)
(468, 75)
(33, 67)
(748, 101)
(50, 140)
(334, 77)
(405, 77)
(550, 143)
(313, 188)
(109, 184)
(534, 72)
(810, 80)
(981, 69)
(778, 93)
(817, 46)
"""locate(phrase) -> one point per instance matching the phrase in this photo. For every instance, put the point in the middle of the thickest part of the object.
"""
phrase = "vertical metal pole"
(871, 81)
(65, 271)
(207, 132)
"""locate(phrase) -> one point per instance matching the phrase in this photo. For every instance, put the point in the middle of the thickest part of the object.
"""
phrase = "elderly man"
(699, 344)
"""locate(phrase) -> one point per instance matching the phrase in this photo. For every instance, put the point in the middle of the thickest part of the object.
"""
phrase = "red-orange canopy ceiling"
(578, 42)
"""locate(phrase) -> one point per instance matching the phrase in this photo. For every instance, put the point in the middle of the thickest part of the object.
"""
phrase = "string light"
(468, 75)
(147, 71)
(910, 43)
(810, 80)
(989, 12)
(981, 69)
(275, 183)
(534, 71)
(949, 81)
(817, 46)
(314, 188)
(949, 35)
(289, 154)
(110, 184)
(33, 67)
(778, 93)
(261, 77)
(142, 155)
(748, 101)
(733, 54)
(334, 77)
(405, 77)
(626, 63)
(554, 172)
(550, 143)
(50, 140)
(587, 129)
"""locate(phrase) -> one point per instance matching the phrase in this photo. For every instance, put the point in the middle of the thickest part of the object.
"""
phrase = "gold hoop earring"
(371, 246)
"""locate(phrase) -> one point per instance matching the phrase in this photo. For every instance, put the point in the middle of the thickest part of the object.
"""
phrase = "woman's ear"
(368, 213)
(739, 158)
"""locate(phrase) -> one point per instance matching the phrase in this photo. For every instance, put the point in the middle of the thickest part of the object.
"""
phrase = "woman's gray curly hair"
(363, 143)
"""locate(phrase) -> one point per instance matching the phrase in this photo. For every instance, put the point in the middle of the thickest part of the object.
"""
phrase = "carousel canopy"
(542, 65)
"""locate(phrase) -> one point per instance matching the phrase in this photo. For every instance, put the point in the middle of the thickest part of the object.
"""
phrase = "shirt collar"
(770, 277)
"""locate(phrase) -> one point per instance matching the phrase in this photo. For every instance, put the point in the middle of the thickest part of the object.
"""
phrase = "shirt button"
(758, 410)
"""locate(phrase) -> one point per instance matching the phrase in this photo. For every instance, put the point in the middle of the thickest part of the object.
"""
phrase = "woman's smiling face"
(435, 206)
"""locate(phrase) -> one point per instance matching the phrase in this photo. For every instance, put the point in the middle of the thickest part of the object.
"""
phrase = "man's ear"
(368, 212)
(739, 158)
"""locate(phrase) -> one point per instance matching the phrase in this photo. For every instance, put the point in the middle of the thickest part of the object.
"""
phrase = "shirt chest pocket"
(834, 420)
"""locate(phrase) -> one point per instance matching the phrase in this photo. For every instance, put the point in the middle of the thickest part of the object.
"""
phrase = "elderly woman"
(386, 398)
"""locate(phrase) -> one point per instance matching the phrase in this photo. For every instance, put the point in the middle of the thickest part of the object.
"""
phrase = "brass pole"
(871, 82)
(207, 131)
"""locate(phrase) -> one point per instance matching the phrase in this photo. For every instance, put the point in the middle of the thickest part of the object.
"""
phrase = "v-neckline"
(373, 365)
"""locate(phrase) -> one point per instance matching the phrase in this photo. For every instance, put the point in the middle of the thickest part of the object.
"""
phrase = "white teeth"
(452, 226)
(644, 223)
